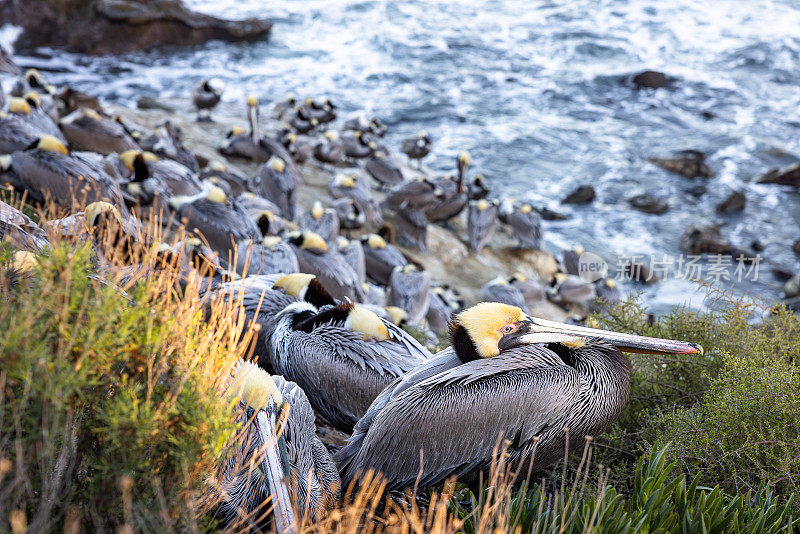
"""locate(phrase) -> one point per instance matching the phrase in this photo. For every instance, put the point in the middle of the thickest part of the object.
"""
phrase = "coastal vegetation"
(111, 417)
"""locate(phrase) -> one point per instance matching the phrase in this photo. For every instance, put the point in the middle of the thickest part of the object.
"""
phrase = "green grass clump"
(110, 411)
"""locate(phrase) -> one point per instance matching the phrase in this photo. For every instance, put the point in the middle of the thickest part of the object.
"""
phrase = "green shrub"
(733, 416)
(110, 412)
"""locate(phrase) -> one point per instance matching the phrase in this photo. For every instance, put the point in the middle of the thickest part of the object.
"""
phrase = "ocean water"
(539, 93)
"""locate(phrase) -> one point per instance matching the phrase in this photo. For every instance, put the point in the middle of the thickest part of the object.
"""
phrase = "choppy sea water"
(538, 93)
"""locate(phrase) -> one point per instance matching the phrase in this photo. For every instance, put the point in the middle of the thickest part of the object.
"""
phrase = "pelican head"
(375, 241)
(24, 261)
(489, 328)
(317, 210)
(48, 143)
(129, 157)
(276, 164)
(252, 100)
(308, 241)
(95, 209)
(295, 284)
(397, 314)
(254, 386)
(216, 194)
(366, 323)
(19, 106)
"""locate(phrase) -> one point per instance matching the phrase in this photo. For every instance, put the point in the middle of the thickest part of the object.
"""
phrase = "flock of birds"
(331, 311)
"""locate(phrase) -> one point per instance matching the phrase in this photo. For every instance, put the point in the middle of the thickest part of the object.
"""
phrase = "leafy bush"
(733, 416)
(110, 412)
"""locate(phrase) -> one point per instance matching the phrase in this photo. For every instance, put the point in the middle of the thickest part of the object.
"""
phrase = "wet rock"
(95, 27)
(549, 215)
(689, 163)
(582, 195)
(757, 246)
(792, 287)
(793, 304)
(650, 79)
(648, 204)
(147, 102)
(741, 254)
(639, 272)
(704, 238)
(781, 273)
(697, 191)
(796, 246)
(734, 203)
(787, 176)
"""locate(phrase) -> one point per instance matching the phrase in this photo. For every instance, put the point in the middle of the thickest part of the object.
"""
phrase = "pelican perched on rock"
(356, 147)
(500, 290)
(384, 169)
(572, 258)
(314, 256)
(278, 184)
(16, 133)
(381, 258)
(452, 202)
(323, 222)
(86, 129)
(330, 149)
(524, 222)
(29, 110)
(263, 296)
(47, 169)
(220, 221)
(236, 181)
(352, 187)
(350, 216)
(341, 356)
(289, 468)
(568, 289)
(353, 253)
(417, 147)
(205, 96)
(440, 309)
(481, 221)
(409, 289)
(272, 256)
(532, 291)
(507, 375)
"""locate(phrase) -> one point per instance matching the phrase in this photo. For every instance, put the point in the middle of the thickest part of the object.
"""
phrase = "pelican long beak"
(273, 467)
(535, 330)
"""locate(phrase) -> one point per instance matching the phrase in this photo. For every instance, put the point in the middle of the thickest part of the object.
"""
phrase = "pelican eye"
(509, 328)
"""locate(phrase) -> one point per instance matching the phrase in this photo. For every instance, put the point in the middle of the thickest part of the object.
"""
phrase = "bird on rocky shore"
(20, 230)
(287, 467)
(275, 181)
(417, 147)
(86, 129)
(381, 258)
(353, 187)
(481, 222)
(409, 289)
(525, 223)
(384, 169)
(205, 96)
(322, 221)
(506, 375)
(333, 272)
(501, 290)
(454, 199)
(272, 256)
(342, 357)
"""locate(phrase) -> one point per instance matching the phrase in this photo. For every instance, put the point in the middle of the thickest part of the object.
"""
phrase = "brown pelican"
(412, 229)
(31, 81)
(29, 110)
(481, 221)
(167, 142)
(524, 222)
(18, 229)
(259, 207)
(384, 169)
(86, 129)
(7, 63)
(417, 147)
(409, 289)
(452, 202)
(355, 147)
(267, 459)
(300, 147)
(500, 290)
(415, 194)
(323, 112)
(16, 133)
(532, 291)
(342, 357)
(477, 188)
(321, 221)
(154, 180)
(278, 184)
(381, 258)
(236, 181)
(330, 149)
(273, 255)
(220, 221)
(47, 169)
(281, 109)
(116, 238)
(353, 254)
(302, 121)
(440, 310)
(263, 296)
(374, 295)
(351, 186)
(350, 217)
(569, 289)
(335, 274)
(507, 375)
(206, 95)
(571, 259)
(607, 290)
